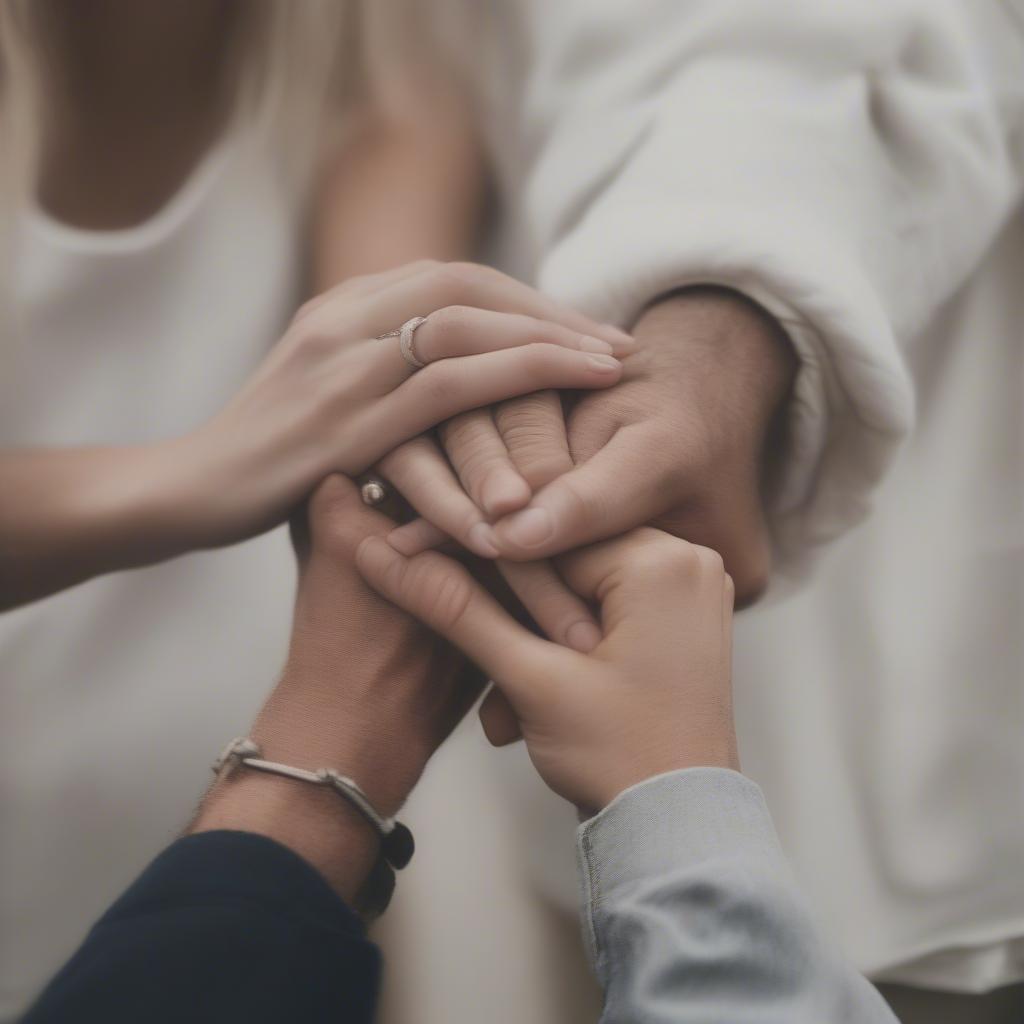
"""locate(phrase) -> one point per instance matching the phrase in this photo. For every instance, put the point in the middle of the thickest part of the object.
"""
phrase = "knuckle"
(528, 432)
(395, 577)
(308, 307)
(460, 432)
(311, 305)
(450, 592)
(331, 517)
(586, 508)
(475, 463)
(457, 278)
(539, 464)
(538, 457)
(709, 560)
(310, 337)
(662, 556)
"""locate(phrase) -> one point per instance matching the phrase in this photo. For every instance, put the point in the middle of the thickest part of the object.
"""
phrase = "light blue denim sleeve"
(690, 913)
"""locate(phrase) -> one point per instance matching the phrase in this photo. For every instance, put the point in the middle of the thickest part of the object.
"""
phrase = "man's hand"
(683, 442)
(366, 690)
(680, 443)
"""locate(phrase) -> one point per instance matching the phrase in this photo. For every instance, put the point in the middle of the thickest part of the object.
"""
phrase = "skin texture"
(685, 443)
(653, 696)
(366, 690)
(328, 397)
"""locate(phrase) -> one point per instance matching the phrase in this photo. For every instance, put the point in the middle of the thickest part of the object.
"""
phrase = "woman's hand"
(366, 690)
(653, 696)
(330, 397)
(333, 397)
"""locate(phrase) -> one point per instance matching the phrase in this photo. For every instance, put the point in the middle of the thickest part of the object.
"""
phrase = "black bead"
(399, 847)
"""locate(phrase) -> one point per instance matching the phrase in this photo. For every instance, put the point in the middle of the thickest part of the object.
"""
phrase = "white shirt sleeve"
(845, 164)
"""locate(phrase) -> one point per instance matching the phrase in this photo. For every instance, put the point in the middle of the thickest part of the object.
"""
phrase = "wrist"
(135, 507)
(315, 730)
(312, 821)
(723, 351)
(712, 753)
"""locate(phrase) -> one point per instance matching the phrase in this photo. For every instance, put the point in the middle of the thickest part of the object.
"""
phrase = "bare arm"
(70, 514)
(327, 398)
(408, 184)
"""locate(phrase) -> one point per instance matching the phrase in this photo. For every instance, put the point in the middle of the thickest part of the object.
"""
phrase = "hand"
(332, 398)
(366, 690)
(486, 462)
(653, 696)
(683, 442)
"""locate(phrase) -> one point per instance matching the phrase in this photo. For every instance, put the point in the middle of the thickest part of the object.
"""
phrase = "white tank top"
(115, 696)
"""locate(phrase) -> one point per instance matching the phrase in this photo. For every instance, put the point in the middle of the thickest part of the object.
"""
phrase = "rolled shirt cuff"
(667, 823)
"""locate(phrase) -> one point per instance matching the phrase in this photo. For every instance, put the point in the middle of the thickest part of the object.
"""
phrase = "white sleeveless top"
(115, 696)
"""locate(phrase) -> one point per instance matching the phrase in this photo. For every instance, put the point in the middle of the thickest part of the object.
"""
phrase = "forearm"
(691, 907)
(400, 190)
(357, 695)
(70, 514)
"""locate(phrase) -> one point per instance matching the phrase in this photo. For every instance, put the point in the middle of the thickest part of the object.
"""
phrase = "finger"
(563, 616)
(451, 386)
(419, 471)
(468, 284)
(648, 578)
(466, 331)
(617, 489)
(418, 535)
(501, 726)
(480, 460)
(533, 431)
(455, 331)
(442, 594)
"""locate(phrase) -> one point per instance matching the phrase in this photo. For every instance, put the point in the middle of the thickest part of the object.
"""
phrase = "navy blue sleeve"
(222, 926)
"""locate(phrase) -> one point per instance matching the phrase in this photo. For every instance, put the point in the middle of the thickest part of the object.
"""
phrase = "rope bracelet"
(396, 841)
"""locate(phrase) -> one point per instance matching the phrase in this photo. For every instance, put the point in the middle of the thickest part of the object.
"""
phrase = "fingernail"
(583, 636)
(503, 492)
(603, 364)
(481, 537)
(589, 344)
(530, 528)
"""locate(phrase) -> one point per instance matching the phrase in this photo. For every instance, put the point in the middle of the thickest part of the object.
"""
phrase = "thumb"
(603, 497)
(440, 593)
